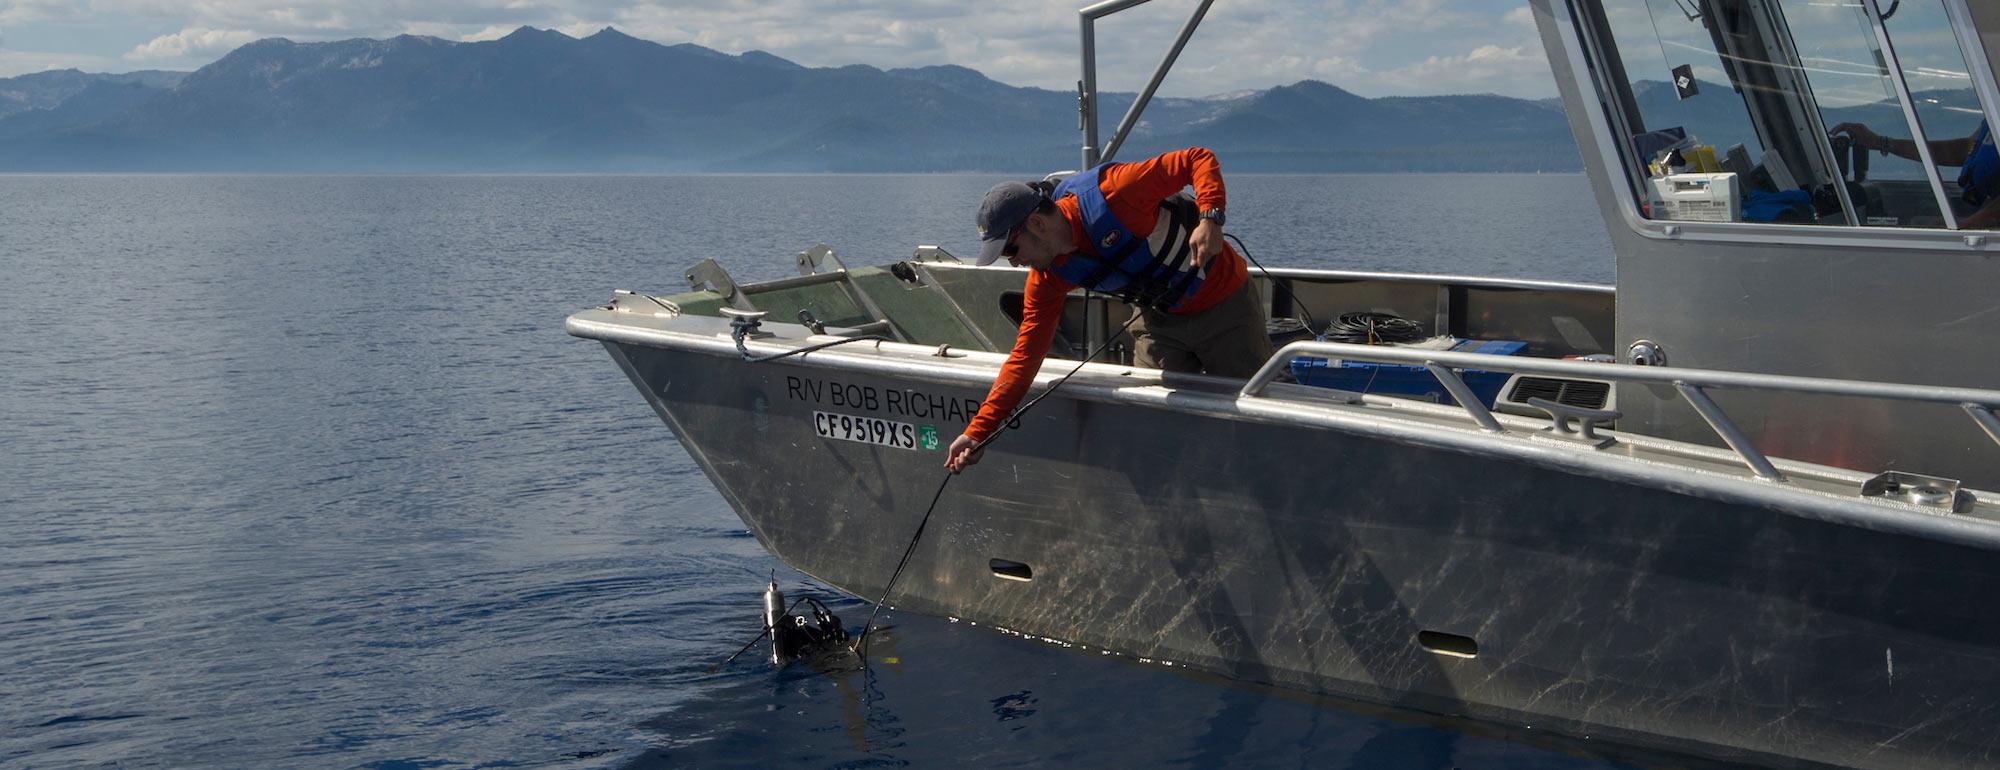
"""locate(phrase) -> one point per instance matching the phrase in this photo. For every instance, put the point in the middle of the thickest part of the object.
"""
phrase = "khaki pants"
(1228, 340)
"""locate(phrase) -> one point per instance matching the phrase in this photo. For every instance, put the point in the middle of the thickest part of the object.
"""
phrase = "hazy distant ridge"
(540, 100)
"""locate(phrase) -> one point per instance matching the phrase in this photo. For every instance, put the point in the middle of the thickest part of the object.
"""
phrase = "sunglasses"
(1011, 248)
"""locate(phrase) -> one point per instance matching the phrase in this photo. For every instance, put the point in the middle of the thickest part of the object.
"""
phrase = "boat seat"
(1013, 304)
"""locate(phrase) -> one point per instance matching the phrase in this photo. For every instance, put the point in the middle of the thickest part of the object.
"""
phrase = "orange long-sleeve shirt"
(1134, 192)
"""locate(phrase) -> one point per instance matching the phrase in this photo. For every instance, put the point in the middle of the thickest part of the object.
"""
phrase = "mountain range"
(539, 100)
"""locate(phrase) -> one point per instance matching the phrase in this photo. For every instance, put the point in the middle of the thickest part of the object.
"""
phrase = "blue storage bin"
(1407, 381)
(1490, 347)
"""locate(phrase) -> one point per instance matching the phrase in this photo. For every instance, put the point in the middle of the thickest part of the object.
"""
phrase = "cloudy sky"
(1372, 47)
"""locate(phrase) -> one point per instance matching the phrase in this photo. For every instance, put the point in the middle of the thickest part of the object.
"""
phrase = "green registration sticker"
(927, 437)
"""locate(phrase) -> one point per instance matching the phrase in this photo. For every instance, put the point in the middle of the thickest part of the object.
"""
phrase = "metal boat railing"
(1692, 384)
(1086, 97)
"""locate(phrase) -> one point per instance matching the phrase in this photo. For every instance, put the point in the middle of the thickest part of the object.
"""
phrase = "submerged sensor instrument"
(792, 636)
(795, 635)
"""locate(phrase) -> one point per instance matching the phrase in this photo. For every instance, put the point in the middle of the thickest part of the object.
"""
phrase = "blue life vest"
(1127, 265)
(1979, 178)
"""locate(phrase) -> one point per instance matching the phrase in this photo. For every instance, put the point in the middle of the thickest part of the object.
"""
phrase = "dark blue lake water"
(301, 472)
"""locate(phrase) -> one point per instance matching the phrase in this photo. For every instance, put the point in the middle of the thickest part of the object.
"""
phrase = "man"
(1979, 168)
(1128, 230)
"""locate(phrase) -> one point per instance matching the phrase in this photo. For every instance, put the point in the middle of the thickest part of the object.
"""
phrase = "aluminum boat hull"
(1608, 600)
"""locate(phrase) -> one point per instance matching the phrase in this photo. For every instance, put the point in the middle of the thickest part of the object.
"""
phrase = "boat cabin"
(1756, 232)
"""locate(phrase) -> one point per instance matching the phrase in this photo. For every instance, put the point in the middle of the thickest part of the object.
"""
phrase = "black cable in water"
(861, 641)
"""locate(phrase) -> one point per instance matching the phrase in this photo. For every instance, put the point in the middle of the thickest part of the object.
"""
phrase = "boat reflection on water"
(940, 692)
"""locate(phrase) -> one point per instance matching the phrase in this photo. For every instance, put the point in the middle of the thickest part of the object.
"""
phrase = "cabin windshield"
(1808, 112)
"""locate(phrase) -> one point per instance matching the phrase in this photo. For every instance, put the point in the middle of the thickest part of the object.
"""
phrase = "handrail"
(1658, 375)
(1718, 421)
(795, 282)
(1086, 98)
(1351, 276)
(1323, 275)
(1977, 403)
(1464, 396)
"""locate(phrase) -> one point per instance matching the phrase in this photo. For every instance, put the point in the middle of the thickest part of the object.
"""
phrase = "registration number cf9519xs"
(867, 430)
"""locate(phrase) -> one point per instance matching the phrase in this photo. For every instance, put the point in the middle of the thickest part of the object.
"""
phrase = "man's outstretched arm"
(1041, 312)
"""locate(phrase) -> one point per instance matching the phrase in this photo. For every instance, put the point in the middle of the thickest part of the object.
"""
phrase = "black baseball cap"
(1005, 208)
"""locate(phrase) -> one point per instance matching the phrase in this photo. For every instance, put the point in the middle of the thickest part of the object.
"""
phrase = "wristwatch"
(1215, 214)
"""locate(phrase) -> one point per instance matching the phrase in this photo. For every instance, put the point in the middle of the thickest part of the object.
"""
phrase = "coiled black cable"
(1373, 329)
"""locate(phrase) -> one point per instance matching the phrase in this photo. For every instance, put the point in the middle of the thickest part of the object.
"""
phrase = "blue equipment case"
(1409, 381)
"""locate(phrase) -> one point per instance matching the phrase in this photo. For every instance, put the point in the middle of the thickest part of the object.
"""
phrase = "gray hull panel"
(1314, 559)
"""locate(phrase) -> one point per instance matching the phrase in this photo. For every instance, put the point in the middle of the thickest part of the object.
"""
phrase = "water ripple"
(301, 472)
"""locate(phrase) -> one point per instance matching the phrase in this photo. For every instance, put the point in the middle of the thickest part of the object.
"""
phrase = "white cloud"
(581, 29)
(23, 62)
(491, 32)
(431, 29)
(1338, 69)
(1369, 46)
(192, 42)
(32, 11)
(1469, 71)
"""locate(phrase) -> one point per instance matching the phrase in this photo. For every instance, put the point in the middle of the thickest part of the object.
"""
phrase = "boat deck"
(925, 304)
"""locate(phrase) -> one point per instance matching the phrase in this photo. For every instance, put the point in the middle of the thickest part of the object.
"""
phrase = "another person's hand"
(1863, 135)
(1204, 242)
(961, 455)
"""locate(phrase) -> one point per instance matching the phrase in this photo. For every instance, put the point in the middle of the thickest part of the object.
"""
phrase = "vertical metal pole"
(1086, 97)
(1814, 121)
(1159, 74)
(1096, 317)
(1917, 136)
(1602, 68)
(1976, 63)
